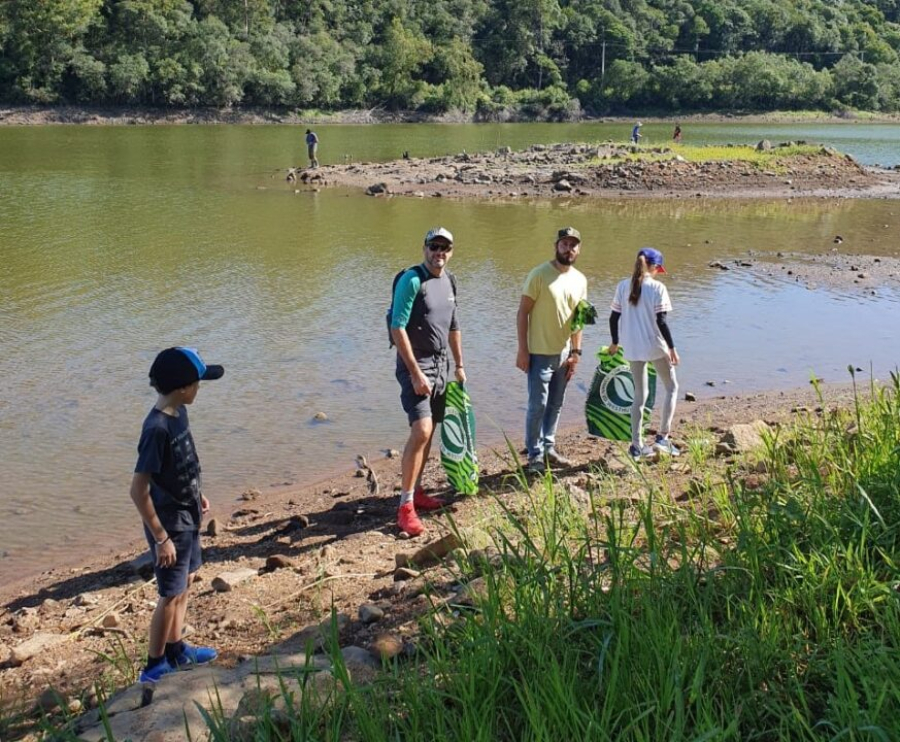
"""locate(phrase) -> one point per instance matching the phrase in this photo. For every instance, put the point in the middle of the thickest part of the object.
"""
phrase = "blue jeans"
(546, 392)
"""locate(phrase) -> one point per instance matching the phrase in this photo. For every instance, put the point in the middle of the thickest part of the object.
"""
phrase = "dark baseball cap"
(178, 367)
(568, 232)
(653, 257)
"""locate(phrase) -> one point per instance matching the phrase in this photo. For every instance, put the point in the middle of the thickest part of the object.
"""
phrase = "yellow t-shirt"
(555, 297)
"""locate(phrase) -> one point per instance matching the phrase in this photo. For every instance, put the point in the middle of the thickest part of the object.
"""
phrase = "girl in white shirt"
(639, 309)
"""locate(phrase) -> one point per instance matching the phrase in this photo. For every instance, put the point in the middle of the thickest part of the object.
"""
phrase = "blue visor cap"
(653, 257)
(179, 367)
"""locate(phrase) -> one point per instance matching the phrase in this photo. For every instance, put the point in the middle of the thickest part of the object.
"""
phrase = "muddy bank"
(610, 171)
(275, 566)
(866, 275)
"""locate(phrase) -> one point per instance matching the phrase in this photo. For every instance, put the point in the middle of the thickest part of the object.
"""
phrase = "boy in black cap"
(166, 491)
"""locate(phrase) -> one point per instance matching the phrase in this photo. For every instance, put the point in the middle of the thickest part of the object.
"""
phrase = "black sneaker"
(536, 466)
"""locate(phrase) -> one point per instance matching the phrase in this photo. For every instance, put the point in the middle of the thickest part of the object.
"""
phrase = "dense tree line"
(492, 57)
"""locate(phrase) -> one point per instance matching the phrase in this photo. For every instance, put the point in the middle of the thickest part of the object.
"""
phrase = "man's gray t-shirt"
(166, 452)
(426, 309)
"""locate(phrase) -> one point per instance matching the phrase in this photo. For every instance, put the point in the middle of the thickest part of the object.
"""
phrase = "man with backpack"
(424, 328)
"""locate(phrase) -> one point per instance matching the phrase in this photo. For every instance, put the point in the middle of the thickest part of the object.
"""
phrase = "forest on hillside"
(494, 59)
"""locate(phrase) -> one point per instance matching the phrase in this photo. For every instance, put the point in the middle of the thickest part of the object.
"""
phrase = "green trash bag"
(608, 406)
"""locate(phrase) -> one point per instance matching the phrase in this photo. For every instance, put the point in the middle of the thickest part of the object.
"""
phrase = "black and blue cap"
(653, 257)
(179, 367)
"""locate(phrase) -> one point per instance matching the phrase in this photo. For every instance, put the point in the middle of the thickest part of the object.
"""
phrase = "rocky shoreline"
(131, 116)
(610, 170)
(277, 565)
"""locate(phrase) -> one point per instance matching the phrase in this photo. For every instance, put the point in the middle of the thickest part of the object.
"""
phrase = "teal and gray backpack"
(423, 276)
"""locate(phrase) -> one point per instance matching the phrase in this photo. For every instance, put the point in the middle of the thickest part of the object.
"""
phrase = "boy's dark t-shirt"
(166, 452)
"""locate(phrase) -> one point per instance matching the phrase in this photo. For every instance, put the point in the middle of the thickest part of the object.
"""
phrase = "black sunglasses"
(439, 247)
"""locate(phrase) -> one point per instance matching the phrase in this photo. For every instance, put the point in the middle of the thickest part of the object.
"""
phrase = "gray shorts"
(419, 406)
(173, 581)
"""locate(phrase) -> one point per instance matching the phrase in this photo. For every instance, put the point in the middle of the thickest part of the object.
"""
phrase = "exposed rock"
(745, 437)
(435, 552)
(278, 561)
(212, 528)
(358, 657)
(404, 573)
(393, 453)
(764, 146)
(320, 417)
(563, 186)
(370, 613)
(378, 189)
(49, 700)
(227, 581)
(112, 620)
(690, 397)
(387, 646)
(40, 642)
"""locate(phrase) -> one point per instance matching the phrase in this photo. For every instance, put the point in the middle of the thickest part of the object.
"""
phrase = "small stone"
(278, 561)
(359, 657)
(250, 494)
(212, 528)
(112, 620)
(710, 383)
(320, 417)
(369, 614)
(690, 397)
(393, 453)
(404, 573)
(227, 581)
(387, 646)
(40, 642)
(49, 700)
(75, 706)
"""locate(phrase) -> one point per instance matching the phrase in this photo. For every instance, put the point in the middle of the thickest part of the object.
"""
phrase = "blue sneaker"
(194, 656)
(156, 672)
(664, 445)
(644, 452)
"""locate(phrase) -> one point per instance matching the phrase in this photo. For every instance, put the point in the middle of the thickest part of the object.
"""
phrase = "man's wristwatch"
(575, 352)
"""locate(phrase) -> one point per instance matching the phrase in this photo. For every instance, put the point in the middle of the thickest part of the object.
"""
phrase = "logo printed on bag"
(617, 390)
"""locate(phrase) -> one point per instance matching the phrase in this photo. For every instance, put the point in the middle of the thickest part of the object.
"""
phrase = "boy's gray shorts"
(419, 406)
(173, 581)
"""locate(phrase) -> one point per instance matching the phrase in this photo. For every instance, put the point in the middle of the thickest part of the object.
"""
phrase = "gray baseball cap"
(436, 232)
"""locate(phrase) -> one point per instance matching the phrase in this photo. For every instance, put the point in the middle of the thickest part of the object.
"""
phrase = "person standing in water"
(639, 309)
(676, 135)
(636, 133)
(312, 146)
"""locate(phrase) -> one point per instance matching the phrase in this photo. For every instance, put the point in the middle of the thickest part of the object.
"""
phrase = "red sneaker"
(426, 502)
(408, 520)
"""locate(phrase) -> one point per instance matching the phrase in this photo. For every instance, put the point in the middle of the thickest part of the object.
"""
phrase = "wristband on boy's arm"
(167, 538)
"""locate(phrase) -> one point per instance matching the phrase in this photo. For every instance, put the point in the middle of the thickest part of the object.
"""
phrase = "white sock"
(405, 497)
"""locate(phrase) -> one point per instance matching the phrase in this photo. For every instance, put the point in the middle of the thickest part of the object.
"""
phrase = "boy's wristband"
(167, 538)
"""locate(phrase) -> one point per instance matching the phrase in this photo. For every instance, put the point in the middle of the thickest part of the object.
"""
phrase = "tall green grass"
(775, 619)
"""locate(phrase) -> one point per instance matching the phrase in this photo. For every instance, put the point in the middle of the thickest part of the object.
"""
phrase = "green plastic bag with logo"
(458, 454)
(608, 406)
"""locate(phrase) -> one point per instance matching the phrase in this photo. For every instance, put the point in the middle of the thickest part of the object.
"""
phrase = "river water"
(119, 241)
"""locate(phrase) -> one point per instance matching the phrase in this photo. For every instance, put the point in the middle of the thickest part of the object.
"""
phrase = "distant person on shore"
(636, 133)
(167, 493)
(639, 310)
(676, 135)
(312, 147)
(426, 332)
(548, 350)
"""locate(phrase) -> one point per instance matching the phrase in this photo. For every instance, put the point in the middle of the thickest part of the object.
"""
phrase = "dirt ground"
(580, 170)
(334, 543)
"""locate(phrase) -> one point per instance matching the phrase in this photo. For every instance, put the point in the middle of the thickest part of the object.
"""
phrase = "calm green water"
(117, 242)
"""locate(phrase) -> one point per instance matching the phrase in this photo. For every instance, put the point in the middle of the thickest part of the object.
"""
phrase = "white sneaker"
(664, 445)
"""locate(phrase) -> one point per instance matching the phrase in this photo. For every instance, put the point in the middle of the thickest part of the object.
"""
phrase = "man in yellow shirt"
(548, 349)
